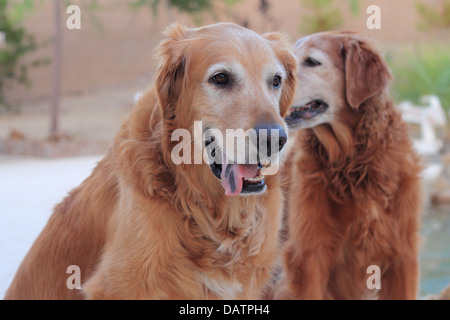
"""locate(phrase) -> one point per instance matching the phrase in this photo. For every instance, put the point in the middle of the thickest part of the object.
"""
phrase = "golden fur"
(354, 193)
(141, 227)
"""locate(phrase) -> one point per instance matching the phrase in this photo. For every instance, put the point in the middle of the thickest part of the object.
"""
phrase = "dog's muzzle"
(246, 178)
(305, 112)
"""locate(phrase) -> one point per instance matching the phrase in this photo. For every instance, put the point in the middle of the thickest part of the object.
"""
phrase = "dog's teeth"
(257, 179)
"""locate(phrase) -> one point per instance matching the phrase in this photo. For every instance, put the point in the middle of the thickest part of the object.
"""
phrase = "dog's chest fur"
(222, 288)
(234, 250)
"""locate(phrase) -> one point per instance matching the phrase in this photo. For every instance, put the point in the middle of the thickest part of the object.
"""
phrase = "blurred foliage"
(18, 43)
(188, 6)
(19, 9)
(354, 7)
(422, 72)
(323, 16)
(192, 7)
(434, 16)
(93, 7)
(229, 5)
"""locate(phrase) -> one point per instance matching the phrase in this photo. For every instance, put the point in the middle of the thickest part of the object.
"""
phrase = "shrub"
(188, 6)
(18, 43)
(322, 17)
(422, 72)
(434, 17)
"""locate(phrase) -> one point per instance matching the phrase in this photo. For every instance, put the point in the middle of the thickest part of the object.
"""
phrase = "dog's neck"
(226, 224)
(202, 202)
(352, 153)
(355, 134)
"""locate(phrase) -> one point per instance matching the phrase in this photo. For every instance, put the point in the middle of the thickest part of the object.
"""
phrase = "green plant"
(354, 7)
(323, 16)
(188, 6)
(422, 72)
(195, 8)
(434, 17)
(229, 5)
(18, 43)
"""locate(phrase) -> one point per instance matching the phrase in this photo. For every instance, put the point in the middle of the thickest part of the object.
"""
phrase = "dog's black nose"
(266, 131)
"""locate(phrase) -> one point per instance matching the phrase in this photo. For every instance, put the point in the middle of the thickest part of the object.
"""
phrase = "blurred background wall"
(115, 42)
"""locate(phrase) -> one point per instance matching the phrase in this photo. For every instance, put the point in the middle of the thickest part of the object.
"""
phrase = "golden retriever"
(354, 193)
(143, 227)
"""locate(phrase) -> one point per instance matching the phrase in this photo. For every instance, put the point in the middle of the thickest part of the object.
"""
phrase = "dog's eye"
(276, 82)
(221, 79)
(311, 62)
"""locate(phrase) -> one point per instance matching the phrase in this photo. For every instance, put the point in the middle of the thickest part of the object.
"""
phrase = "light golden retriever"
(143, 227)
(354, 193)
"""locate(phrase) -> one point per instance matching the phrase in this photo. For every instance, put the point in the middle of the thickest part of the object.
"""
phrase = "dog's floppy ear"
(366, 72)
(285, 54)
(170, 75)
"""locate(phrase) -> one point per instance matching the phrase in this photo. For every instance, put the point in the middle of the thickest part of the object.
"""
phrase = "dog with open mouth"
(143, 227)
(243, 167)
(352, 182)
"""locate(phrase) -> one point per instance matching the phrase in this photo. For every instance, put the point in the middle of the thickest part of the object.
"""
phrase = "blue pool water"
(435, 251)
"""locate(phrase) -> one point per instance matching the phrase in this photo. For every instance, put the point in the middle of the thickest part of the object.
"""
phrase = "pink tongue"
(232, 175)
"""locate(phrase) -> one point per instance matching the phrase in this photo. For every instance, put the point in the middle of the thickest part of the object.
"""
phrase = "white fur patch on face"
(326, 117)
(234, 68)
(219, 99)
(241, 74)
(222, 288)
(301, 41)
(269, 72)
(252, 85)
(279, 70)
(320, 119)
(322, 81)
(318, 55)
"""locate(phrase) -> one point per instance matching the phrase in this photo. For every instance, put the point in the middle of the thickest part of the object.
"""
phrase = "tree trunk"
(56, 92)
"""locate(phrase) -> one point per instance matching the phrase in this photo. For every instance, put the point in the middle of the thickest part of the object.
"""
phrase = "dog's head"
(338, 72)
(232, 80)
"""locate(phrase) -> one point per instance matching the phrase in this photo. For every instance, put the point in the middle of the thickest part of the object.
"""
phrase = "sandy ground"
(88, 123)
